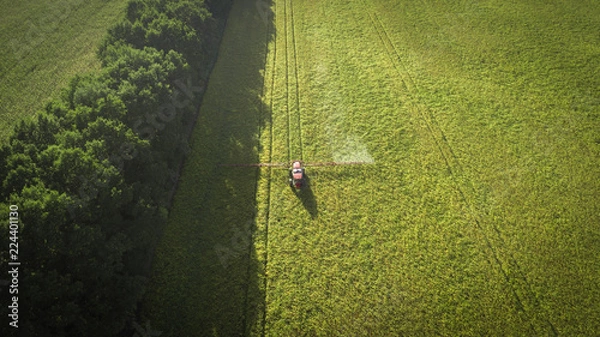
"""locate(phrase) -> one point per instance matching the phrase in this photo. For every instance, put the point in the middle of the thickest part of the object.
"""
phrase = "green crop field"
(44, 44)
(477, 212)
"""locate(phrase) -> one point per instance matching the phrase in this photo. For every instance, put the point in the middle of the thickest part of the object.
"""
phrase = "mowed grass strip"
(46, 43)
(205, 271)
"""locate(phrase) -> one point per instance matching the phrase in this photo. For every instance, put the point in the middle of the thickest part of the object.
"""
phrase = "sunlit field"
(477, 212)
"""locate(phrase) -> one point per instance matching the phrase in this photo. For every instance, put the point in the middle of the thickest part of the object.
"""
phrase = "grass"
(478, 216)
(206, 268)
(45, 43)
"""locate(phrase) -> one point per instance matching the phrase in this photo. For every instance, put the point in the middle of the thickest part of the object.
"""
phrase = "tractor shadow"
(307, 197)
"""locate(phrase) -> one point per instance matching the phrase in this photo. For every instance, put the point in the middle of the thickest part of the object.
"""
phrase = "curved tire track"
(513, 274)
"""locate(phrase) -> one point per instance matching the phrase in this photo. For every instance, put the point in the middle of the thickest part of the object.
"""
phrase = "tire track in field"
(292, 89)
(539, 314)
(265, 116)
(528, 302)
(287, 80)
(297, 88)
(269, 169)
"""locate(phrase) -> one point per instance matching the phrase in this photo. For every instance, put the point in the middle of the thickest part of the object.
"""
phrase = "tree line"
(91, 174)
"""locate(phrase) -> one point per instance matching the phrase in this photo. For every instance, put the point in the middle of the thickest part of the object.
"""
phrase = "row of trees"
(92, 172)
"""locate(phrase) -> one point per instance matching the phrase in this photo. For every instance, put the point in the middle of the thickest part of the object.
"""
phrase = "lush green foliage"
(92, 172)
(478, 218)
(166, 25)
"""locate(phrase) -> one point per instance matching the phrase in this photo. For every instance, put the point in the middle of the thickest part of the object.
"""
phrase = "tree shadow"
(208, 278)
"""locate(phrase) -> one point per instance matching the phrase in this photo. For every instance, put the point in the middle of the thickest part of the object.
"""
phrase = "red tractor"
(297, 176)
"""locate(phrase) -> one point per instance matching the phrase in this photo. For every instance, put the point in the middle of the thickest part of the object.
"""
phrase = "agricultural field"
(45, 43)
(477, 212)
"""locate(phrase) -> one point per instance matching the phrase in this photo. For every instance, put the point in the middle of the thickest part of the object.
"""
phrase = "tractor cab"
(297, 179)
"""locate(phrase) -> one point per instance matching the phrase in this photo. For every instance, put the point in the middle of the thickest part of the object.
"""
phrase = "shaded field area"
(478, 215)
(45, 43)
(205, 272)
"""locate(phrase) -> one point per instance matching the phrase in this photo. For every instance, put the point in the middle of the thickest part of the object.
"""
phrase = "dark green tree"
(75, 276)
(184, 26)
(93, 169)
